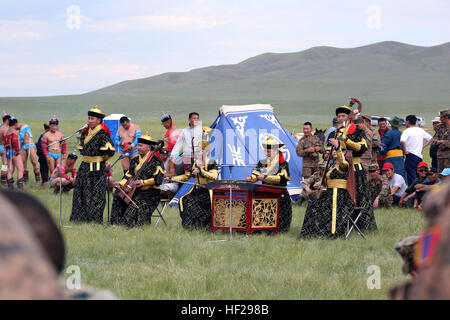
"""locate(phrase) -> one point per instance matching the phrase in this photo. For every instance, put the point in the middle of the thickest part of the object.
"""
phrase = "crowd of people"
(393, 159)
(388, 167)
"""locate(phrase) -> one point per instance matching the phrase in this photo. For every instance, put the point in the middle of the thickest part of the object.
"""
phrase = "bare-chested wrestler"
(13, 157)
(53, 150)
(3, 130)
(28, 150)
(126, 140)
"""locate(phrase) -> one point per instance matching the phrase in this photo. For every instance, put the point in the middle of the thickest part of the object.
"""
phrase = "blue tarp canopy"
(237, 141)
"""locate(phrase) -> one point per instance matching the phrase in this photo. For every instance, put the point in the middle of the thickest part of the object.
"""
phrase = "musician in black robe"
(328, 216)
(195, 205)
(96, 147)
(274, 170)
(146, 174)
(355, 140)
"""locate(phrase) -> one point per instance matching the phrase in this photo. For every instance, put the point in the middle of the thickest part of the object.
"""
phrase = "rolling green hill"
(390, 78)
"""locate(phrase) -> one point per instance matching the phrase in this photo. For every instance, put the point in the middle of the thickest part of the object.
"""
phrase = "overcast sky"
(72, 47)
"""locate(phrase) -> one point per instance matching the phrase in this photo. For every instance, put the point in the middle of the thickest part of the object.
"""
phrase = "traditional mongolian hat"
(271, 143)
(96, 112)
(165, 117)
(12, 121)
(147, 139)
(53, 120)
(343, 109)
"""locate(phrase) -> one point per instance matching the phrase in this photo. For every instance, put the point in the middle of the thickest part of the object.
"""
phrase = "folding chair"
(353, 223)
(166, 197)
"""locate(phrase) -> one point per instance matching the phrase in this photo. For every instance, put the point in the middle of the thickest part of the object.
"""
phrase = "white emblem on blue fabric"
(236, 154)
(271, 118)
(239, 122)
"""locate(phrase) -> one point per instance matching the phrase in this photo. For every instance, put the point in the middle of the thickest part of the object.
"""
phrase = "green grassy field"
(168, 262)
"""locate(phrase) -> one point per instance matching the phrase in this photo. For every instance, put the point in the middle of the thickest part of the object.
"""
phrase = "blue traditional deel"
(236, 142)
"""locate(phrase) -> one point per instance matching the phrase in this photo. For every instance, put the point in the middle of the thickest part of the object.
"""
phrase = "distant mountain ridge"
(390, 78)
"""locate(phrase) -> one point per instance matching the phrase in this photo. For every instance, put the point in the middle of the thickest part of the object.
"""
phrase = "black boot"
(11, 184)
(20, 183)
(37, 175)
(4, 178)
(25, 176)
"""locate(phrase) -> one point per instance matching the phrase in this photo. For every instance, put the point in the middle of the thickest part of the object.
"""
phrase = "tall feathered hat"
(96, 112)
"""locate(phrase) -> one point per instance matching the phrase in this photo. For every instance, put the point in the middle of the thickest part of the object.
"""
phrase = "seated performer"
(195, 206)
(274, 170)
(328, 215)
(53, 150)
(67, 182)
(147, 175)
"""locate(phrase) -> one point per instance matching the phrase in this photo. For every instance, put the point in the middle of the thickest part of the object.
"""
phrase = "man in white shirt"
(412, 145)
(182, 151)
(396, 182)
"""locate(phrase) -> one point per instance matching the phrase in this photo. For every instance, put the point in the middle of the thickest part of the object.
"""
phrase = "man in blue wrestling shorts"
(28, 149)
(127, 139)
(53, 149)
(3, 130)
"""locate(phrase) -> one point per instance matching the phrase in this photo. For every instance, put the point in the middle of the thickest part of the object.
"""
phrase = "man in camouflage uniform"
(311, 185)
(373, 142)
(309, 148)
(442, 140)
(430, 261)
(380, 189)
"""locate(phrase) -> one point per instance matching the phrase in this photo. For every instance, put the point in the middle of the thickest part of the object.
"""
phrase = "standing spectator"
(42, 159)
(443, 140)
(396, 182)
(412, 146)
(393, 149)
(171, 136)
(332, 129)
(309, 147)
(190, 136)
(433, 147)
(382, 129)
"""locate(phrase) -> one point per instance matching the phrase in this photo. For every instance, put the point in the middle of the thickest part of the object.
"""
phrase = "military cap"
(367, 117)
(444, 113)
(405, 248)
(436, 119)
(322, 164)
(374, 167)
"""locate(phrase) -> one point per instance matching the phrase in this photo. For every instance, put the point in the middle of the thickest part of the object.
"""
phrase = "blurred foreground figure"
(41, 277)
(25, 270)
(429, 261)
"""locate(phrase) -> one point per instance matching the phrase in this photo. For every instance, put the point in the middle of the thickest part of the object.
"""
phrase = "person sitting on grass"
(407, 198)
(396, 182)
(60, 175)
(428, 185)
